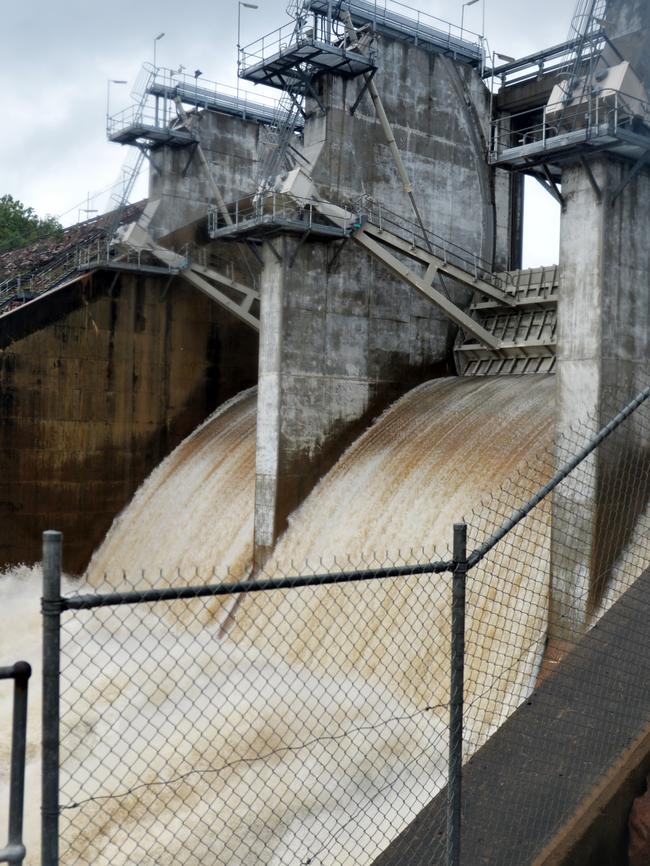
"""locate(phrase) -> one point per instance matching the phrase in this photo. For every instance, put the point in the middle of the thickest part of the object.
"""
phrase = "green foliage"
(20, 225)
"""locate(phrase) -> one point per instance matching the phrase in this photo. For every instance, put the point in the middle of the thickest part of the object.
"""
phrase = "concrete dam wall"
(98, 382)
(320, 417)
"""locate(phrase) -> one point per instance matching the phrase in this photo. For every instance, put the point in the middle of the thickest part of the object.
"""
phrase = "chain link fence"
(303, 716)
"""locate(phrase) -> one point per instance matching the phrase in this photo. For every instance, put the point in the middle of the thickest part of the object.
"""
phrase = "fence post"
(456, 694)
(22, 673)
(51, 607)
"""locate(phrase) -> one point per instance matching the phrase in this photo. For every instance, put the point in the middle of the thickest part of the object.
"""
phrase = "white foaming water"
(345, 686)
(20, 639)
(193, 516)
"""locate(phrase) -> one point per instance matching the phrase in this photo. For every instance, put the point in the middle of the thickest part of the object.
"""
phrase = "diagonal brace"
(450, 309)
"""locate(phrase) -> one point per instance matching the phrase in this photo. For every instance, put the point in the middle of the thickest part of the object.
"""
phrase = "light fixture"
(462, 15)
(108, 96)
(156, 39)
(241, 3)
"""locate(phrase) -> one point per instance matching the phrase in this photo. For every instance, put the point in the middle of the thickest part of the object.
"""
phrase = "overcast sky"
(57, 56)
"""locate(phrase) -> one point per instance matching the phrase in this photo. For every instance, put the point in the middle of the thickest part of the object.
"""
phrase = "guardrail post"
(51, 607)
(457, 685)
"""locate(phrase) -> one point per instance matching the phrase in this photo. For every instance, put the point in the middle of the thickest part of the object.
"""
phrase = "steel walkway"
(509, 328)
(510, 325)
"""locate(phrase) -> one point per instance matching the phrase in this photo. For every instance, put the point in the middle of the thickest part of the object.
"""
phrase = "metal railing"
(156, 110)
(603, 113)
(279, 40)
(450, 252)
(27, 286)
(99, 251)
(14, 851)
(107, 253)
(398, 18)
(204, 92)
(555, 60)
(271, 207)
(412, 23)
(137, 118)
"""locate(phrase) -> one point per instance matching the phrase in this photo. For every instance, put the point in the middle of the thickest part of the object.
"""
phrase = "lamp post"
(156, 39)
(108, 96)
(462, 15)
(241, 3)
(495, 123)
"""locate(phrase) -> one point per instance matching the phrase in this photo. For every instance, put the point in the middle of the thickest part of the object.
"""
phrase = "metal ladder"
(132, 165)
(278, 154)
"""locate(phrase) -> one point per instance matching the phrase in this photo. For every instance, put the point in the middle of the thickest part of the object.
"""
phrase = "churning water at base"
(358, 671)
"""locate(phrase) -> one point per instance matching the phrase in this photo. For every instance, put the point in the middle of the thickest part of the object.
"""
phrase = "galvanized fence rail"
(14, 851)
(308, 717)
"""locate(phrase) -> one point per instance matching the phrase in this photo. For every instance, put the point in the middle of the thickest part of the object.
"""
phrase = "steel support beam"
(204, 279)
(450, 309)
(421, 255)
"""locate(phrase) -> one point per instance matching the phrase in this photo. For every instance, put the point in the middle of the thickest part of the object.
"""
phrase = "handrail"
(421, 26)
(451, 252)
(46, 277)
(95, 252)
(601, 113)
(271, 206)
(173, 80)
(20, 672)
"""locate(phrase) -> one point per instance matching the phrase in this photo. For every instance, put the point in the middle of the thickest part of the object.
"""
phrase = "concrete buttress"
(340, 337)
(603, 360)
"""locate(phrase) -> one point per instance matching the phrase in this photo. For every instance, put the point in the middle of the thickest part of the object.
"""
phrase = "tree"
(21, 226)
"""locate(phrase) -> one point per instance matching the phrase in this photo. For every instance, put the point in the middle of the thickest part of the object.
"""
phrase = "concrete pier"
(603, 360)
(340, 336)
(178, 179)
(628, 25)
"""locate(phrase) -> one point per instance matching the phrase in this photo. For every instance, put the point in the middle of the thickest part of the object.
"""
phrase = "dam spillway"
(401, 481)
(263, 640)
(355, 243)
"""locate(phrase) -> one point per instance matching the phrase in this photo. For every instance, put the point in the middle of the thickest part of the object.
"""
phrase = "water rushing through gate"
(429, 461)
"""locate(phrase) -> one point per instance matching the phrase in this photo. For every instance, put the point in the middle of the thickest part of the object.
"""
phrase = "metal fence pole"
(14, 851)
(22, 673)
(456, 694)
(51, 607)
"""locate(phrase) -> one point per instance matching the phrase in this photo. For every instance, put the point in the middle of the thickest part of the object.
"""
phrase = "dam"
(313, 350)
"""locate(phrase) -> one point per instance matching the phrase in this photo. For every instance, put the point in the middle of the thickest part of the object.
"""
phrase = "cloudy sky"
(57, 56)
